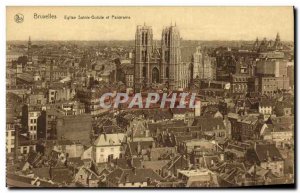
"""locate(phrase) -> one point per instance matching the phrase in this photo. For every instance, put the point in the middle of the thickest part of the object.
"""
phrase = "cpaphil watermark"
(158, 100)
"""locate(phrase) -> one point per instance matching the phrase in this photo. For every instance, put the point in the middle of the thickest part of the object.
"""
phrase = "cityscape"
(240, 132)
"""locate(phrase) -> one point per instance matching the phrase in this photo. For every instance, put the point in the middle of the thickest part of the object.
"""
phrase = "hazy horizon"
(33, 40)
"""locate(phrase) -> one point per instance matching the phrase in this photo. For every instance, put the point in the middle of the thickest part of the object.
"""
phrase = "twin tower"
(158, 64)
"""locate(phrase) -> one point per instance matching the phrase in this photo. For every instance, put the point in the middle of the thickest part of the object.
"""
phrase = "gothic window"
(144, 71)
(166, 56)
(166, 39)
(143, 38)
(167, 72)
(144, 55)
(146, 39)
(155, 75)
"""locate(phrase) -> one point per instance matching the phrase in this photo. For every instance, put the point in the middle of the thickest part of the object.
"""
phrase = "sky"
(194, 23)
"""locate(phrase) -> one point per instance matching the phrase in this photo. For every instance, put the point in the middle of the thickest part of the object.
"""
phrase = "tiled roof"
(133, 175)
(155, 165)
(110, 139)
(143, 145)
(267, 152)
(209, 123)
(128, 163)
(61, 175)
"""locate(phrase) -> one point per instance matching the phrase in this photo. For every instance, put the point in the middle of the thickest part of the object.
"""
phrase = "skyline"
(194, 23)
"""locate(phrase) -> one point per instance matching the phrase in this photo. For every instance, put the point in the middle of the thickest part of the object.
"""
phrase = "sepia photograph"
(150, 97)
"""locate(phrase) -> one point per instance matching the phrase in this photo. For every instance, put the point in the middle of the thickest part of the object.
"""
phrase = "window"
(144, 56)
(146, 39)
(24, 150)
(167, 72)
(166, 38)
(166, 56)
(144, 71)
(101, 157)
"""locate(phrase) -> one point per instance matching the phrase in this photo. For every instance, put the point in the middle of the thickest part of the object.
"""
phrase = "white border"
(5, 3)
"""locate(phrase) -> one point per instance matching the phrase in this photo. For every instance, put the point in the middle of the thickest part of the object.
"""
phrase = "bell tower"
(143, 51)
(170, 56)
(29, 52)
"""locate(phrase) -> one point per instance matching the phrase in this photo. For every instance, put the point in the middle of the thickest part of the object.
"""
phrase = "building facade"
(107, 146)
(159, 65)
(204, 66)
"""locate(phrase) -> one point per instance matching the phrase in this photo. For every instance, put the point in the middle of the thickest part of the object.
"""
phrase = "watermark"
(151, 100)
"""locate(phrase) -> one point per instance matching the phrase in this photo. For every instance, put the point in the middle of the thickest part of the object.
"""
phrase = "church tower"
(277, 43)
(256, 44)
(29, 52)
(143, 51)
(171, 57)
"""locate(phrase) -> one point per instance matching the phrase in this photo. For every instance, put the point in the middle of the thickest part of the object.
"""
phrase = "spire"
(277, 37)
(29, 40)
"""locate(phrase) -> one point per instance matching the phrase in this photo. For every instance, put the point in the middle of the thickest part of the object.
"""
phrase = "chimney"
(105, 137)
(134, 170)
(222, 157)
(147, 133)
(139, 149)
(126, 178)
(131, 162)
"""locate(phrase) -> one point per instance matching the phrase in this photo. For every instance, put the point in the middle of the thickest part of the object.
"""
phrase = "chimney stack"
(134, 170)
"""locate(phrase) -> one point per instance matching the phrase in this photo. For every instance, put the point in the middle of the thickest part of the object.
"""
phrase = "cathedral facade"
(159, 65)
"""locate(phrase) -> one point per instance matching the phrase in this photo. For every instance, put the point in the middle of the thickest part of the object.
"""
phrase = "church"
(159, 65)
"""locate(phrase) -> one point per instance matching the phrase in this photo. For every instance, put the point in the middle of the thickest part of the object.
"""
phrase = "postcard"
(150, 97)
